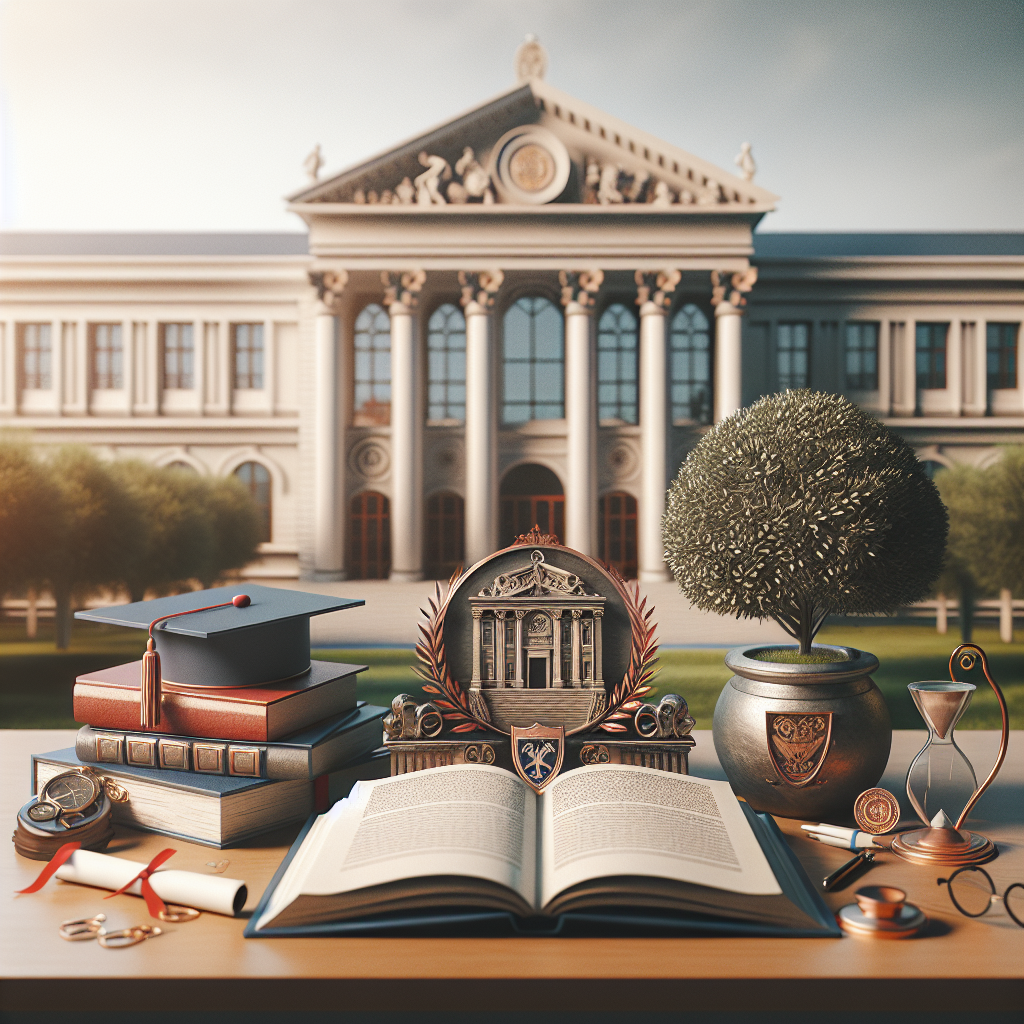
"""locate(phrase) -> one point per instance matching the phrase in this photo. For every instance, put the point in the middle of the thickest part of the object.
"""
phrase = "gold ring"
(177, 915)
(126, 936)
(81, 929)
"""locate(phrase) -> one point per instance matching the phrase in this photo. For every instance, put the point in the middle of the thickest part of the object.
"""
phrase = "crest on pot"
(798, 744)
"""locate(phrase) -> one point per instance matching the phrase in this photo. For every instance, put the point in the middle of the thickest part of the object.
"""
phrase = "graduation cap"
(242, 635)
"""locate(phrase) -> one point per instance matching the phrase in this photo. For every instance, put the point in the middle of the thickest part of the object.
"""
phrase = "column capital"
(653, 288)
(742, 281)
(403, 288)
(579, 289)
(479, 287)
(329, 285)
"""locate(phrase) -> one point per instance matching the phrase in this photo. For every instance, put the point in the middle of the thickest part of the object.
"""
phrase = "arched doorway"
(616, 532)
(369, 536)
(445, 530)
(531, 495)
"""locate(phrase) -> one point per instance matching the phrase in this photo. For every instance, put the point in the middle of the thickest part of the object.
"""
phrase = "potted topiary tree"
(800, 506)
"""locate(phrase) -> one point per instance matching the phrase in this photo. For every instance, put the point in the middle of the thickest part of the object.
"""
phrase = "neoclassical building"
(526, 315)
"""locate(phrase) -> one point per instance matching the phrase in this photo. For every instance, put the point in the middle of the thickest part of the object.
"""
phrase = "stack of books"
(224, 763)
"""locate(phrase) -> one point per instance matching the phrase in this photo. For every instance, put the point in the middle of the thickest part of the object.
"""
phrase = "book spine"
(188, 714)
(187, 754)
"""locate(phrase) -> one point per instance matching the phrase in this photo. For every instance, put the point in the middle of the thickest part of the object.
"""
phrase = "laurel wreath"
(623, 702)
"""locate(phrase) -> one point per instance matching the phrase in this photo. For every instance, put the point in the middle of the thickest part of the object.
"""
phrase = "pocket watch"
(72, 797)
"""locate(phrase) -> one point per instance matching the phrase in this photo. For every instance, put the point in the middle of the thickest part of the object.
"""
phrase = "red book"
(109, 699)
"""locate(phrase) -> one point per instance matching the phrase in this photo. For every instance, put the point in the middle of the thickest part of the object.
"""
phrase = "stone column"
(978, 397)
(556, 654)
(406, 428)
(199, 365)
(728, 301)
(477, 645)
(520, 676)
(954, 368)
(9, 369)
(499, 648)
(884, 368)
(57, 365)
(128, 364)
(598, 649)
(653, 291)
(481, 510)
(270, 365)
(225, 363)
(578, 290)
(728, 360)
(329, 432)
(83, 369)
(577, 650)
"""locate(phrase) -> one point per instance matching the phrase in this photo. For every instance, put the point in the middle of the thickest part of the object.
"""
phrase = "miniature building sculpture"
(538, 639)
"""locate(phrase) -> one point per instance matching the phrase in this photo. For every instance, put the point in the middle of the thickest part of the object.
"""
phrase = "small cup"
(880, 901)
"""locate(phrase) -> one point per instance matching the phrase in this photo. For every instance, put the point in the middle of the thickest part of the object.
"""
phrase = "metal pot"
(801, 740)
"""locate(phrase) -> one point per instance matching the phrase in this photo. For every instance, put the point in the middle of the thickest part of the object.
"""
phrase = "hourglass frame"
(949, 843)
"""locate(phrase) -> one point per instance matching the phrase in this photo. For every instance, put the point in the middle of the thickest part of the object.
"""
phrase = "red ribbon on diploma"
(154, 904)
(59, 858)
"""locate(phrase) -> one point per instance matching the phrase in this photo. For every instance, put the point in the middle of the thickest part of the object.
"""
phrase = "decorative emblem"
(537, 753)
(798, 744)
(876, 811)
(594, 753)
(536, 537)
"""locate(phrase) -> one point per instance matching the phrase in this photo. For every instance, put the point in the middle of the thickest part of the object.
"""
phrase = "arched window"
(617, 365)
(445, 529)
(616, 532)
(446, 369)
(369, 536)
(187, 467)
(257, 480)
(534, 362)
(531, 495)
(691, 365)
(372, 399)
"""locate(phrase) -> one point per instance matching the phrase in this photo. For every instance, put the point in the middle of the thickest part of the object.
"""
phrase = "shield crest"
(798, 743)
(537, 753)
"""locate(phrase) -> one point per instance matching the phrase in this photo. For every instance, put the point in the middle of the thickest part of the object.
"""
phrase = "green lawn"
(36, 680)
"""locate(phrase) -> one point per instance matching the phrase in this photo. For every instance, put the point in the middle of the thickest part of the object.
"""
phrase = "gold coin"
(876, 811)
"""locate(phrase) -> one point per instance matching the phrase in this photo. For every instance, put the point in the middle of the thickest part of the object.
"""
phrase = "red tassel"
(149, 710)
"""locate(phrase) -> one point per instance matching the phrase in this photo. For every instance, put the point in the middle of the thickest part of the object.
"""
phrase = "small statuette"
(876, 811)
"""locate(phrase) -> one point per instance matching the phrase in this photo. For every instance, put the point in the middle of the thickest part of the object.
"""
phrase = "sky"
(192, 115)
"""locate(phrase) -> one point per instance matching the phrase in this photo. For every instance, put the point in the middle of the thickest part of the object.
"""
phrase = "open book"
(602, 839)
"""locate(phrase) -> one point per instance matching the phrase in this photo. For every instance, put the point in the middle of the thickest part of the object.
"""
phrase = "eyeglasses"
(972, 891)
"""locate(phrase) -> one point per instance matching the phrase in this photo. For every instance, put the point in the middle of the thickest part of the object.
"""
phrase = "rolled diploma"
(184, 888)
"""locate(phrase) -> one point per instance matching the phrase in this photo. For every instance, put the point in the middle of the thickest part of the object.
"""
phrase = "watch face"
(71, 791)
(44, 811)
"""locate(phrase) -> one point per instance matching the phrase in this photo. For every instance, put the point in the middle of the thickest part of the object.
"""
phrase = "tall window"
(369, 533)
(35, 356)
(690, 342)
(794, 356)
(1001, 348)
(617, 365)
(106, 356)
(931, 355)
(257, 481)
(534, 362)
(446, 355)
(861, 357)
(248, 356)
(372, 404)
(616, 532)
(445, 529)
(178, 356)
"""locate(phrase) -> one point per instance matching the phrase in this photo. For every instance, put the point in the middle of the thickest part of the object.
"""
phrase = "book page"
(615, 819)
(477, 821)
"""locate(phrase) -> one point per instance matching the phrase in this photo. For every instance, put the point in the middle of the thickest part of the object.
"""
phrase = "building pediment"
(534, 146)
(537, 579)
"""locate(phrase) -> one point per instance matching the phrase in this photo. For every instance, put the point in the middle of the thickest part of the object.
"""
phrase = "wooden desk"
(207, 965)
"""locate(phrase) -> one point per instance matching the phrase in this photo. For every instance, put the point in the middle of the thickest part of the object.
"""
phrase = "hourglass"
(941, 778)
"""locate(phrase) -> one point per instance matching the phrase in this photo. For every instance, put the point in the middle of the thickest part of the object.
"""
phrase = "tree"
(802, 505)
(98, 533)
(28, 517)
(176, 532)
(237, 529)
(986, 535)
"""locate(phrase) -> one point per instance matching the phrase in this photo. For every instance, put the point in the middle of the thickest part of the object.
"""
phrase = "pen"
(858, 841)
(852, 865)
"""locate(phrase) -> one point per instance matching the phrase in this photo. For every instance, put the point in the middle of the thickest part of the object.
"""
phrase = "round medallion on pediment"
(369, 459)
(623, 461)
(530, 165)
